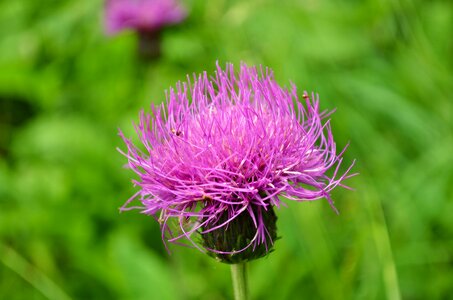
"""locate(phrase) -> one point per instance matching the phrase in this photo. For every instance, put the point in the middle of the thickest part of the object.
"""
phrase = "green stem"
(239, 275)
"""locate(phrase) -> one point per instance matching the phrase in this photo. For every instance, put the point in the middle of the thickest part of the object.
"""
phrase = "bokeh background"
(66, 88)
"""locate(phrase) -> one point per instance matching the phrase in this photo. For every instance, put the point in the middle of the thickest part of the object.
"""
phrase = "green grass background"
(65, 89)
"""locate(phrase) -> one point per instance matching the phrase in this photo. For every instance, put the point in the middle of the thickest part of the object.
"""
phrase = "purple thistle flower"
(222, 152)
(141, 15)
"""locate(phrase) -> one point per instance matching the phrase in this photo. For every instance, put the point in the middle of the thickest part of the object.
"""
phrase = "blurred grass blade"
(40, 281)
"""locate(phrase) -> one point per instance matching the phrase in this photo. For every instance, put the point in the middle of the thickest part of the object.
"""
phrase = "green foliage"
(65, 88)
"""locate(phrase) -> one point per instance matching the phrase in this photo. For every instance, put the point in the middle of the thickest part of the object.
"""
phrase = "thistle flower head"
(141, 15)
(223, 152)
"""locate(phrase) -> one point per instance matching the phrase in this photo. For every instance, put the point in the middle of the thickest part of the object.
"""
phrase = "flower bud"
(237, 242)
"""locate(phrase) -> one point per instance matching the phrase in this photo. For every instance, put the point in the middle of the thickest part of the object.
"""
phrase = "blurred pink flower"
(142, 15)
